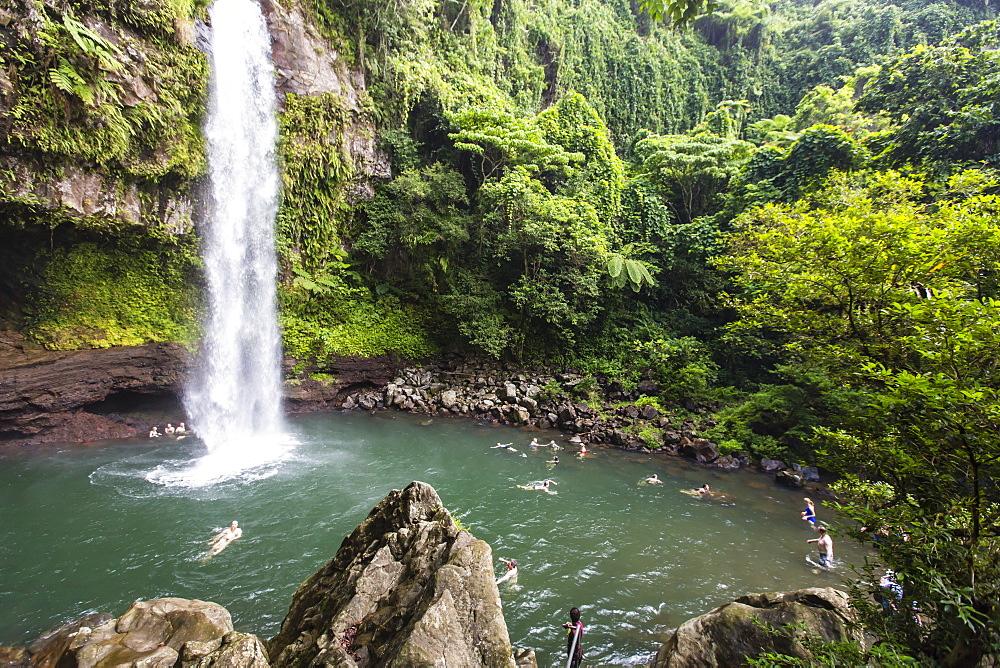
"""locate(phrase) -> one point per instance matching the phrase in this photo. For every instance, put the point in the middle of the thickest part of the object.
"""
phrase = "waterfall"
(234, 398)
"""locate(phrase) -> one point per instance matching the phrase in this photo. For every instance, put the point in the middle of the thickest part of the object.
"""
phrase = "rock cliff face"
(407, 588)
(729, 634)
(306, 64)
(42, 394)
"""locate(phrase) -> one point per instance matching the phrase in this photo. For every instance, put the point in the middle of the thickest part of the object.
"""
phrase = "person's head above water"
(234, 524)
(574, 615)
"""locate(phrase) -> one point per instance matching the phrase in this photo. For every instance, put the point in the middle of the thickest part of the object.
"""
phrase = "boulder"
(519, 415)
(161, 632)
(649, 412)
(406, 588)
(18, 657)
(809, 473)
(790, 479)
(648, 387)
(449, 398)
(753, 624)
(701, 450)
(771, 465)
(727, 463)
(508, 392)
(529, 403)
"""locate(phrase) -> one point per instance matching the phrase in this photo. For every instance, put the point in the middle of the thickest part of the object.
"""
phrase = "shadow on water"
(85, 529)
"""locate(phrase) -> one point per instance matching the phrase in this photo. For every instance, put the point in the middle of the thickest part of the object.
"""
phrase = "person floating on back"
(651, 480)
(224, 538)
(574, 638)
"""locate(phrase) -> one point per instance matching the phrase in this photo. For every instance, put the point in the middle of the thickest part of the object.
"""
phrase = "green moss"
(359, 328)
(98, 296)
(315, 168)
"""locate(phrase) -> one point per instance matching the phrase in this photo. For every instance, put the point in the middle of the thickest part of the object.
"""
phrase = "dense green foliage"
(874, 289)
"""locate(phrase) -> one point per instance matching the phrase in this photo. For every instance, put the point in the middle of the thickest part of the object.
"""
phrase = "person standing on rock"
(825, 546)
(574, 638)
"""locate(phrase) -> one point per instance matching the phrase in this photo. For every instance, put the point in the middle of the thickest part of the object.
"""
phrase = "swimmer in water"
(180, 429)
(583, 451)
(169, 429)
(552, 462)
(540, 486)
(153, 433)
(652, 480)
(534, 443)
(511, 574)
(554, 445)
(502, 445)
(702, 492)
(222, 539)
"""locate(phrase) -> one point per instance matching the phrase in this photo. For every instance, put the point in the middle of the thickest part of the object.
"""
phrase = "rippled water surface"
(84, 530)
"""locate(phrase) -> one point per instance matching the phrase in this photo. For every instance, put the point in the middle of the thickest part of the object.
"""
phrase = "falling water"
(234, 398)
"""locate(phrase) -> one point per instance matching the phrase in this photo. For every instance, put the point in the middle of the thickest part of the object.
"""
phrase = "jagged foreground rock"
(162, 632)
(731, 633)
(407, 588)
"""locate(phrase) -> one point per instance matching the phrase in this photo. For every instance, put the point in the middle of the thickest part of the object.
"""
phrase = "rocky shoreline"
(84, 396)
(594, 410)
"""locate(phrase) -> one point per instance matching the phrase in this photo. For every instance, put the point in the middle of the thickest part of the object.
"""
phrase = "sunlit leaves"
(677, 12)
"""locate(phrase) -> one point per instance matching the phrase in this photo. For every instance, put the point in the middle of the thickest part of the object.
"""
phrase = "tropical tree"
(887, 287)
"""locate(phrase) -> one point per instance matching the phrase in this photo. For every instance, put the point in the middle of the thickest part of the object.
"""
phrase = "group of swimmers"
(541, 485)
(180, 431)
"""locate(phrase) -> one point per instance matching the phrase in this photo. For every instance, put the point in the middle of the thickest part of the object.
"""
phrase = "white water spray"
(234, 399)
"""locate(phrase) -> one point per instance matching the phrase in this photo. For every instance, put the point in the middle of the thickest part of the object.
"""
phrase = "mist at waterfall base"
(234, 396)
(84, 531)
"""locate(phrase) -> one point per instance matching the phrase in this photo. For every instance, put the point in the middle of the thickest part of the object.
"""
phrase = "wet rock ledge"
(406, 588)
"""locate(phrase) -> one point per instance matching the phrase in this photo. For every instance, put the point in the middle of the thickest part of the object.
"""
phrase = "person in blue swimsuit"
(809, 513)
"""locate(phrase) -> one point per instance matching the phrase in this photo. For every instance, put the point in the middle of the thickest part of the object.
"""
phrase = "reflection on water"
(84, 529)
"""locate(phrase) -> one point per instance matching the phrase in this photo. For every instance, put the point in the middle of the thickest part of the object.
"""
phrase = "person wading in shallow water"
(825, 546)
(574, 638)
